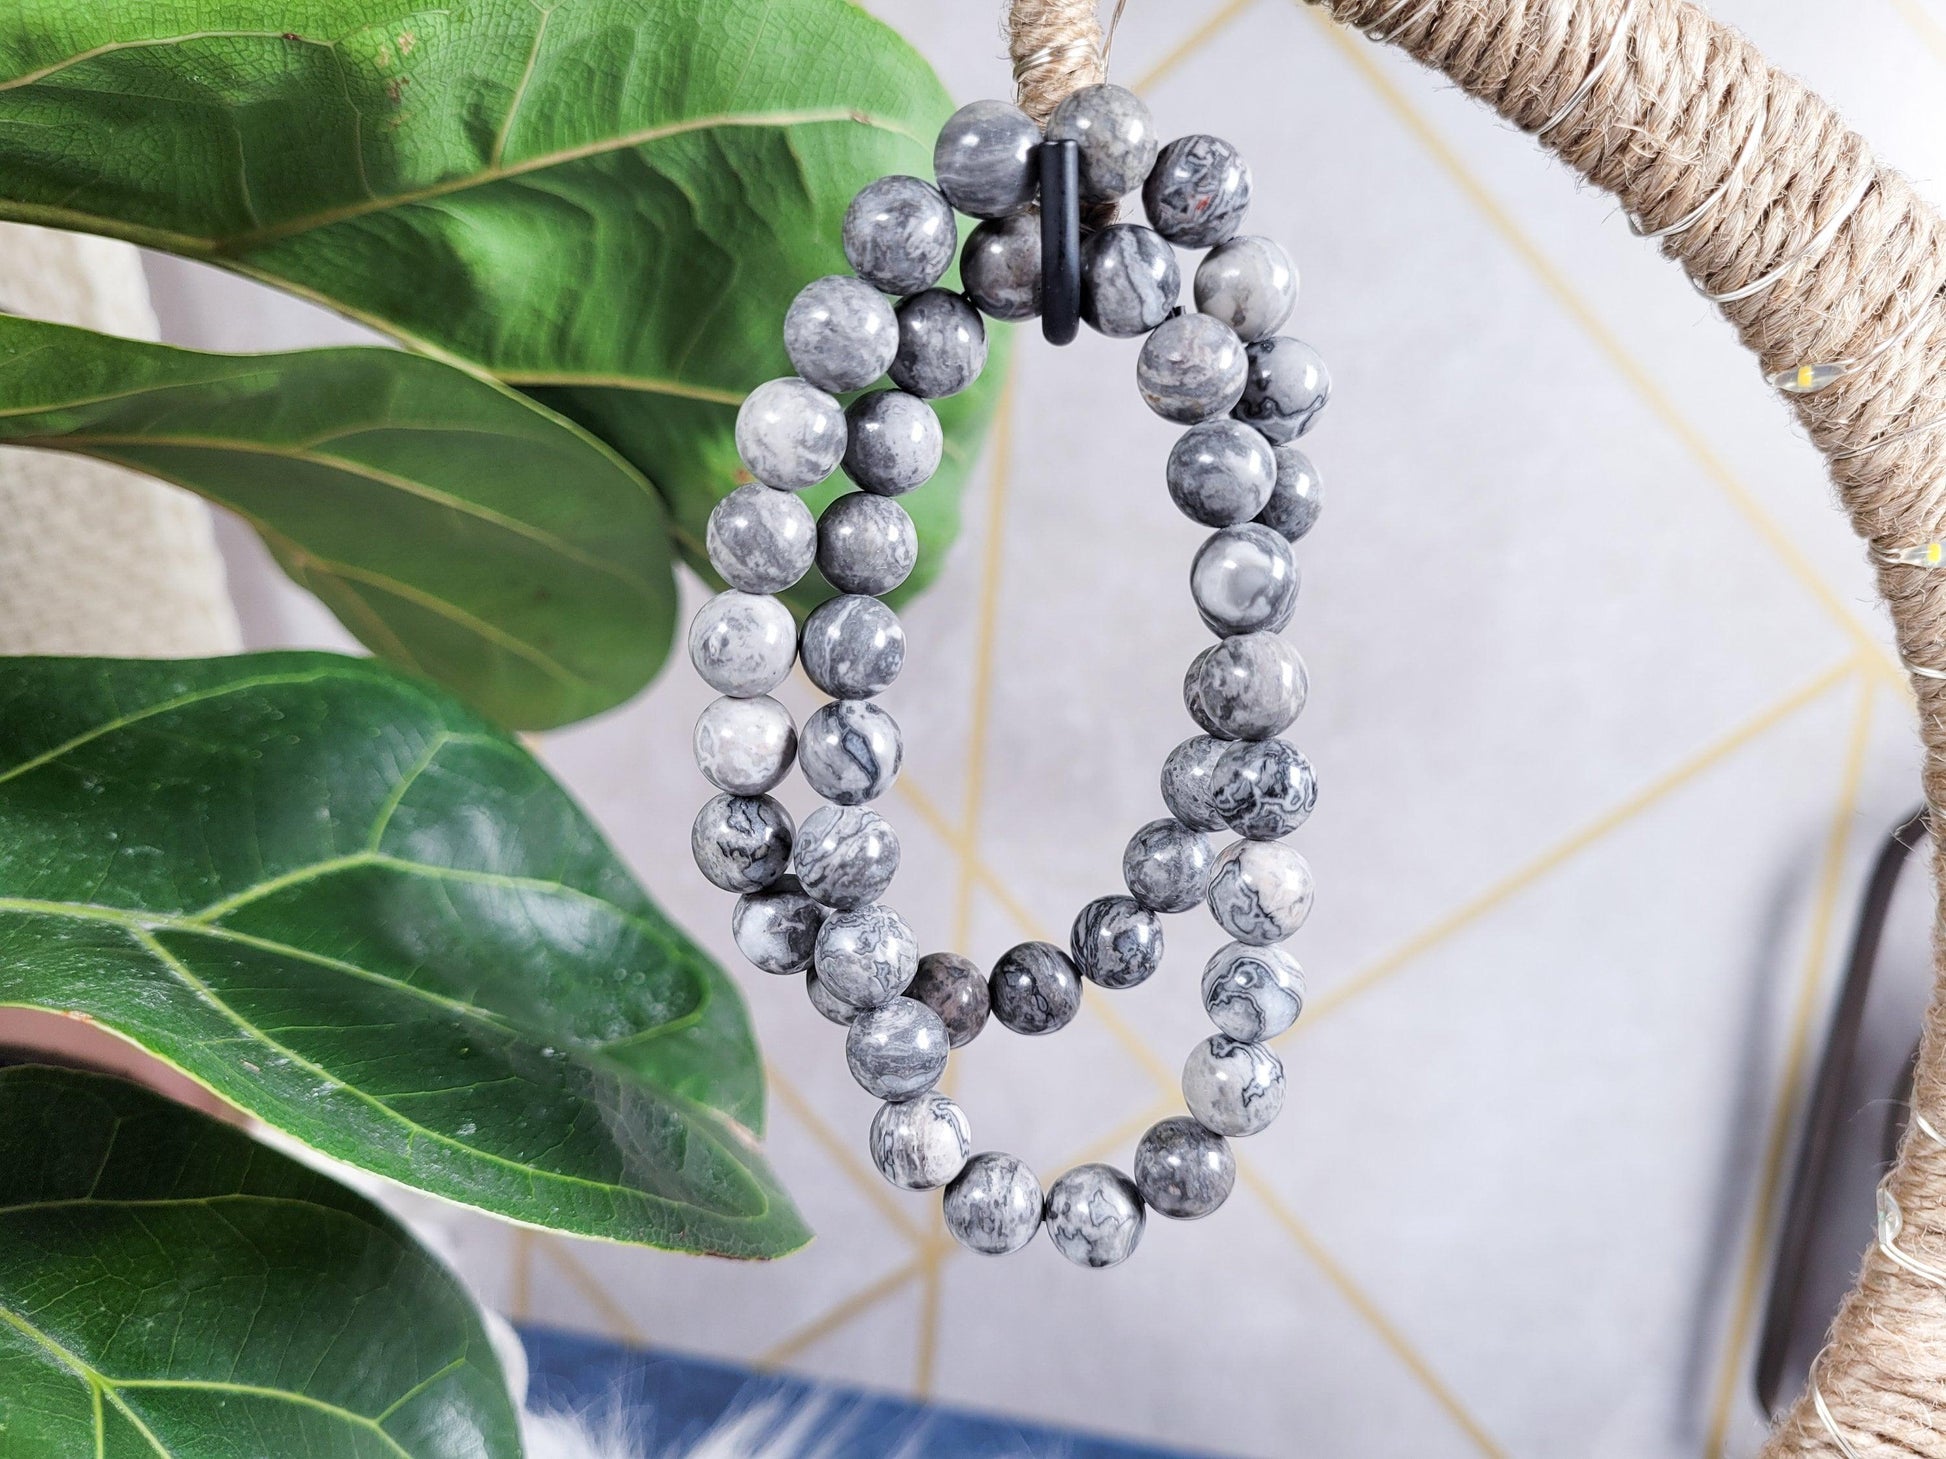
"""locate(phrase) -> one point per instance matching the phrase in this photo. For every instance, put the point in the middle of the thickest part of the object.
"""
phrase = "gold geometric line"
(858, 1302)
(1183, 49)
(521, 1299)
(870, 1183)
(620, 1325)
(1930, 30)
(927, 1347)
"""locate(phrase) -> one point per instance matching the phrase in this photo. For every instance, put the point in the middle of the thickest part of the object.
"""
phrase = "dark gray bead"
(1250, 284)
(1245, 688)
(1287, 389)
(1264, 789)
(853, 647)
(828, 1003)
(953, 987)
(899, 234)
(1252, 993)
(743, 644)
(994, 1205)
(1244, 580)
(1233, 1088)
(1034, 988)
(1130, 280)
(790, 434)
(896, 1049)
(942, 345)
(1198, 191)
(1001, 267)
(1221, 472)
(845, 856)
(742, 843)
(893, 442)
(1191, 368)
(761, 540)
(850, 751)
(745, 746)
(1182, 1170)
(1112, 128)
(1116, 942)
(777, 928)
(1260, 891)
(1188, 782)
(984, 159)
(840, 333)
(1297, 498)
(867, 544)
(919, 1144)
(1094, 1216)
(1167, 866)
(866, 956)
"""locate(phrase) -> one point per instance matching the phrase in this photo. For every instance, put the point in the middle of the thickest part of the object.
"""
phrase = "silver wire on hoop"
(1378, 31)
(1079, 49)
(1616, 39)
(1814, 245)
(1822, 375)
(1851, 452)
(1830, 1423)
(1716, 194)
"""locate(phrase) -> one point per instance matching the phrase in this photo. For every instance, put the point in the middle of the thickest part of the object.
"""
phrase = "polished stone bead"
(828, 1003)
(1221, 472)
(984, 159)
(742, 843)
(1183, 1170)
(1116, 942)
(1260, 891)
(761, 540)
(1287, 389)
(1192, 368)
(896, 1049)
(867, 544)
(866, 956)
(942, 345)
(892, 443)
(777, 928)
(1167, 866)
(845, 856)
(1245, 688)
(1252, 993)
(899, 234)
(994, 1205)
(790, 434)
(1233, 1088)
(1297, 498)
(953, 987)
(853, 646)
(1130, 280)
(1188, 782)
(1264, 789)
(745, 746)
(850, 751)
(1034, 988)
(1244, 580)
(1198, 191)
(921, 1143)
(840, 333)
(1094, 1216)
(743, 644)
(1250, 284)
(1115, 134)
(1000, 267)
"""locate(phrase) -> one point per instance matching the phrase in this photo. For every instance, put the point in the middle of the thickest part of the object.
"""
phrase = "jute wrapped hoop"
(1778, 211)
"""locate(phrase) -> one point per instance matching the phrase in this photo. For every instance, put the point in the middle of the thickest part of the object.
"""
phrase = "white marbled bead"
(1183, 1170)
(942, 345)
(1297, 498)
(845, 856)
(896, 1049)
(777, 928)
(743, 644)
(850, 751)
(1198, 191)
(866, 956)
(1252, 993)
(1260, 892)
(1188, 782)
(953, 987)
(1191, 368)
(829, 1004)
(1167, 866)
(1264, 789)
(790, 434)
(741, 843)
(1250, 284)
(1233, 1088)
(1114, 135)
(892, 443)
(1001, 267)
(1034, 988)
(867, 544)
(1130, 280)
(994, 1205)
(1287, 388)
(1116, 942)
(1244, 580)
(921, 1143)
(1249, 687)
(1221, 472)
(899, 234)
(745, 746)
(760, 540)
(853, 647)
(984, 159)
(1094, 1215)
(840, 333)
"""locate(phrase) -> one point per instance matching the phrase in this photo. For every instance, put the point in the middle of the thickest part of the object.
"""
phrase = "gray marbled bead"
(942, 345)
(1189, 780)
(1034, 988)
(1260, 891)
(828, 1003)
(745, 746)
(1001, 267)
(1183, 1170)
(853, 646)
(994, 1205)
(1116, 942)
(1250, 284)
(1198, 191)
(851, 751)
(742, 643)
(1167, 866)
(1297, 498)
(790, 433)
(1112, 128)
(867, 544)
(1287, 389)
(1233, 1088)
(866, 956)
(840, 333)
(1221, 472)
(1094, 1216)
(984, 159)
(897, 1049)
(845, 856)
(1192, 368)
(1130, 280)
(899, 234)
(741, 843)
(761, 540)
(1244, 580)
(777, 928)
(892, 442)
(1264, 789)
(919, 1144)
(953, 987)
(1252, 993)
(1249, 687)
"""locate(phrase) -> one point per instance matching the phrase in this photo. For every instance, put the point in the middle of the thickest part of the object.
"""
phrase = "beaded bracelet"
(1246, 394)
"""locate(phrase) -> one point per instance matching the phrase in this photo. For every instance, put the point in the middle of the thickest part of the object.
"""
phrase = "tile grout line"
(619, 1324)
(858, 1303)
(868, 1183)
(1207, 30)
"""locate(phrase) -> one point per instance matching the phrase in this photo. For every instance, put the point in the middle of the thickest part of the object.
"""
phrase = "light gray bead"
(745, 746)
(1221, 472)
(777, 928)
(1182, 1170)
(790, 434)
(1264, 789)
(1167, 866)
(1245, 688)
(1130, 280)
(1252, 993)
(942, 345)
(1250, 284)
(994, 1205)
(955, 989)
(1116, 942)
(1233, 1088)
(919, 1144)
(866, 956)
(984, 159)
(845, 856)
(867, 544)
(840, 333)
(1094, 1216)
(1112, 128)
(1191, 368)
(899, 234)
(1198, 191)
(1244, 580)
(828, 1003)
(1000, 267)
(850, 751)
(741, 843)
(893, 442)
(761, 540)
(1260, 891)
(897, 1049)
(1034, 988)
(743, 644)
(1287, 389)
(1297, 498)
(853, 646)
(1188, 782)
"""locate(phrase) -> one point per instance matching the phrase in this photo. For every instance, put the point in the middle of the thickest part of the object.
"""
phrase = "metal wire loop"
(1616, 39)
(1814, 245)
(1377, 30)
(1852, 452)
(1716, 194)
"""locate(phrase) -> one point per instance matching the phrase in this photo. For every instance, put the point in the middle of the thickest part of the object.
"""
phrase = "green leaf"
(170, 1288)
(353, 908)
(451, 523)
